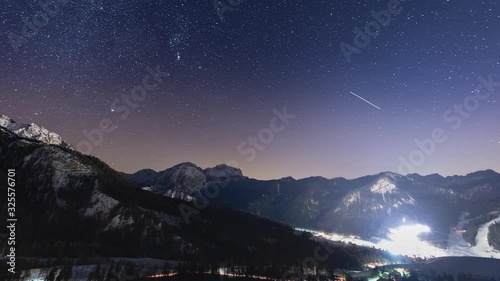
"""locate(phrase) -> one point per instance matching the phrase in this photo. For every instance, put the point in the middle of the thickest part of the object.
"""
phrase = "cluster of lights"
(162, 275)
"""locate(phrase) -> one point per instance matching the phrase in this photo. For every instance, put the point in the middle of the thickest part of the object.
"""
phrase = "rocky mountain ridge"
(33, 131)
(181, 180)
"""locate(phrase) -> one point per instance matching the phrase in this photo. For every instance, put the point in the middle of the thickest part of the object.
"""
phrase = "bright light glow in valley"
(405, 240)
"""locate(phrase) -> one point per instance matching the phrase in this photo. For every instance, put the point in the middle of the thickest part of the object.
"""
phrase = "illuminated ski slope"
(405, 240)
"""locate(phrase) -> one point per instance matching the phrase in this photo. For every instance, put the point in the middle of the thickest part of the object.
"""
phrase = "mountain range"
(375, 202)
(75, 206)
(367, 206)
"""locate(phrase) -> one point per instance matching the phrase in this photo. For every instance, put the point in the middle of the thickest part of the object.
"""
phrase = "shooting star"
(365, 101)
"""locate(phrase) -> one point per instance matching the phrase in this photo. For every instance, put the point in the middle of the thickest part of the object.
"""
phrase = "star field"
(227, 75)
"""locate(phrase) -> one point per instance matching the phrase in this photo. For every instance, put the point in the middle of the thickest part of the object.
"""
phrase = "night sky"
(227, 78)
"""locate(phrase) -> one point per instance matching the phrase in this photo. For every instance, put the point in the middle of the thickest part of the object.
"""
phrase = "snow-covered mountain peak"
(185, 177)
(223, 171)
(186, 169)
(383, 185)
(32, 131)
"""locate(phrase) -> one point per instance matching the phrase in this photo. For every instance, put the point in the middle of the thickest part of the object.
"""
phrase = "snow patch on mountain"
(352, 198)
(119, 221)
(176, 194)
(100, 205)
(409, 200)
(312, 208)
(383, 185)
(66, 165)
(397, 204)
